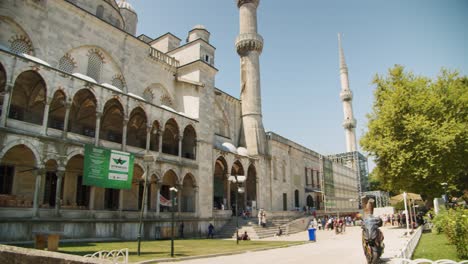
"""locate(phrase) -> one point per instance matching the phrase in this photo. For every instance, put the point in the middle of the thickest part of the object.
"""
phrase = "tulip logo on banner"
(108, 168)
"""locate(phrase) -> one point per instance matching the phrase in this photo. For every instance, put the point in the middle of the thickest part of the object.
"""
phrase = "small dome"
(199, 27)
(123, 4)
(229, 147)
(242, 151)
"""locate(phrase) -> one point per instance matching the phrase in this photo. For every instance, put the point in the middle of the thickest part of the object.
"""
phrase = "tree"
(418, 132)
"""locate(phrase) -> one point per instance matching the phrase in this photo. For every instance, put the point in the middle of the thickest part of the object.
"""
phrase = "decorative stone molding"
(346, 95)
(249, 42)
(242, 2)
(349, 123)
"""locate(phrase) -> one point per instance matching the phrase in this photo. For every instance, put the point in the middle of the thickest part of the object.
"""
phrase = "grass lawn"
(434, 247)
(182, 248)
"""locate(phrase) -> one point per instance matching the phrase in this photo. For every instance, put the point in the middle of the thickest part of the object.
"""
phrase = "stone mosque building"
(74, 73)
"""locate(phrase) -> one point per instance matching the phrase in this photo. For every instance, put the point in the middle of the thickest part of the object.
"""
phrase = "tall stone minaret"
(249, 45)
(346, 96)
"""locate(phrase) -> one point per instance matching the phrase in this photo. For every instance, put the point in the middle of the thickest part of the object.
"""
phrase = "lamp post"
(238, 180)
(406, 214)
(173, 191)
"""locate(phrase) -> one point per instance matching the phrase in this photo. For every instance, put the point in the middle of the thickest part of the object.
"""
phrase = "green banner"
(108, 168)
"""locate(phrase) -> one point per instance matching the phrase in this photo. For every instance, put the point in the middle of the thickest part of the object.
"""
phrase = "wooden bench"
(49, 238)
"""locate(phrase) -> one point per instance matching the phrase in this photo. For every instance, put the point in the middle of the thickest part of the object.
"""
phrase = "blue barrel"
(312, 234)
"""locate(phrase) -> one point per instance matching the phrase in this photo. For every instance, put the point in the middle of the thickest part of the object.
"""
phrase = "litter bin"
(312, 234)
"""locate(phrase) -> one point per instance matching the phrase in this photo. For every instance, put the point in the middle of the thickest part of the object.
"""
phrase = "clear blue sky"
(299, 63)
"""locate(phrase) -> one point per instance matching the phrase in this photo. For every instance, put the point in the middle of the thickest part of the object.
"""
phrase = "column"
(121, 199)
(65, 121)
(124, 134)
(6, 103)
(148, 136)
(98, 128)
(228, 205)
(45, 119)
(58, 200)
(196, 193)
(180, 137)
(179, 197)
(160, 135)
(158, 193)
(38, 173)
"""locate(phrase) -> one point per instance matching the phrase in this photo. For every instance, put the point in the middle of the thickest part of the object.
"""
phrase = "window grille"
(100, 11)
(94, 66)
(148, 95)
(19, 46)
(118, 82)
(66, 64)
(166, 100)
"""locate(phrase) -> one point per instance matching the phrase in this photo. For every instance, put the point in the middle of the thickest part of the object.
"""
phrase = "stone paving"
(329, 248)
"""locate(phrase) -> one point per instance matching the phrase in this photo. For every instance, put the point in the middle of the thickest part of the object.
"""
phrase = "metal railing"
(116, 256)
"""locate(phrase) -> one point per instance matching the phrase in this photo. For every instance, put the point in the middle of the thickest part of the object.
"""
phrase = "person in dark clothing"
(181, 230)
(210, 230)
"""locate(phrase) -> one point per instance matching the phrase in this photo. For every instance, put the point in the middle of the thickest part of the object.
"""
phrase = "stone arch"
(131, 199)
(112, 121)
(13, 31)
(189, 143)
(237, 168)
(170, 140)
(310, 201)
(82, 118)
(57, 110)
(76, 194)
(136, 128)
(50, 183)
(29, 144)
(169, 180)
(220, 184)
(28, 98)
(157, 94)
(18, 170)
(154, 136)
(188, 193)
(251, 186)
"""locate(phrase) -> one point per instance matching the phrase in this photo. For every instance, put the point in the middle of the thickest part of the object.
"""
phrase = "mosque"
(74, 74)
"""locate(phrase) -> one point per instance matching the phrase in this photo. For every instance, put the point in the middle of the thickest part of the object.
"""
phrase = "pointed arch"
(251, 185)
(237, 168)
(154, 136)
(57, 110)
(188, 193)
(220, 184)
(136, 128)
(112, 121)
(189, 143)
(82, 119)
(28, 98)
(169, 180)
(170, 141)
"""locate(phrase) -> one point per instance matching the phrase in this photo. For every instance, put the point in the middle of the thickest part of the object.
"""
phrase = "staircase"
(255, 231)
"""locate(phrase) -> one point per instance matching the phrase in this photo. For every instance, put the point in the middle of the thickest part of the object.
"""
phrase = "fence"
(116, 256)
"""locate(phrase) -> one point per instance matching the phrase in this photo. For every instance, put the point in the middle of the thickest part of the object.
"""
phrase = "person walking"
(181, 230)
(210, 230)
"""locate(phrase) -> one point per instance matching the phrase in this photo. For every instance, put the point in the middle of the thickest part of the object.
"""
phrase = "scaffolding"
(358, 162)
(382, 199)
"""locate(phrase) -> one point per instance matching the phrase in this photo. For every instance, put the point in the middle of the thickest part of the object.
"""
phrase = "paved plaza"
(329, 248)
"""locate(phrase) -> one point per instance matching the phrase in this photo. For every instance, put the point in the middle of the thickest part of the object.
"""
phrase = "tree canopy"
(418, 132)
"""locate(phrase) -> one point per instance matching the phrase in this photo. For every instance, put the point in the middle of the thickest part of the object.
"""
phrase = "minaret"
(249, 45)
(346, 96)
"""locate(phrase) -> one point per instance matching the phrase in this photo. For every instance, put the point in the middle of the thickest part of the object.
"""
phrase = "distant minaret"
(346, 96)
(249, 46)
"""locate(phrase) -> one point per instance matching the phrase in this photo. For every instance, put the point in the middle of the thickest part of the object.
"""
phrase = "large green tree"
(418, 132)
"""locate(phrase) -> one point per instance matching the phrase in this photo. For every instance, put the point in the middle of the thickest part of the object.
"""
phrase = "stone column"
(6, 103)
(37, 187)
(121, 199)
(124, 134)
(58, 190)
(160, 135)
(228, 198)
(158, 193)
(180, 138)
(66, 120)
(249, 45)
(45, 119)
(197, 199)
(98, 128)
(148, 136)
(179, 196)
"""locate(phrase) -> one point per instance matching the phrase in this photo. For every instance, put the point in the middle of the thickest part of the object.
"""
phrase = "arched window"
(136, 128)
(189, 143)
(82, 119)
(20, 45)
(100, 11)
(170, 144)
(94, 66)
(166, 100)
(118, 82)
(29, 97)
(148, 95)
(57, 111)
(66, 64)
(296, 198)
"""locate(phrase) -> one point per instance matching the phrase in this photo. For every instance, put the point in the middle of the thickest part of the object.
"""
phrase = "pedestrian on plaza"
(181, 230)
(210, 230)
(264, 219)
(259, 216)
(280, 232)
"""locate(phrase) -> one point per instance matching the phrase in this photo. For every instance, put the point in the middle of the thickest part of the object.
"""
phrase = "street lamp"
(173, 191)
(148, 159)
(238, 180)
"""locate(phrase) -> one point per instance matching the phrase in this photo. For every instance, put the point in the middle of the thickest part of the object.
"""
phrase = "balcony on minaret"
(349, 123)
(249, 42)
(346, 95)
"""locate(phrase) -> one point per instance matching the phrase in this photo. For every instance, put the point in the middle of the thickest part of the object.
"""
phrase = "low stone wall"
(17, 255)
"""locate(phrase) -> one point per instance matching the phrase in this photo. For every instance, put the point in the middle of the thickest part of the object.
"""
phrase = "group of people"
(399, 219)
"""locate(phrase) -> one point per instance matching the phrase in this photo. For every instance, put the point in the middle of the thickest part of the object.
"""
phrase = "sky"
(300, 82)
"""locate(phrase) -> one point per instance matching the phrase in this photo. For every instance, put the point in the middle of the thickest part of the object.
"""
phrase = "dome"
(123, 4)
(229, 147)
(242, 151)
(199, 27)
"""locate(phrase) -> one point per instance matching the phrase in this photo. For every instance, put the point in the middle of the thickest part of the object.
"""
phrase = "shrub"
(454, 223)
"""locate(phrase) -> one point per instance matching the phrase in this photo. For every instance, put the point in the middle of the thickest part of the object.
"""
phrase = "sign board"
(108, 168)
